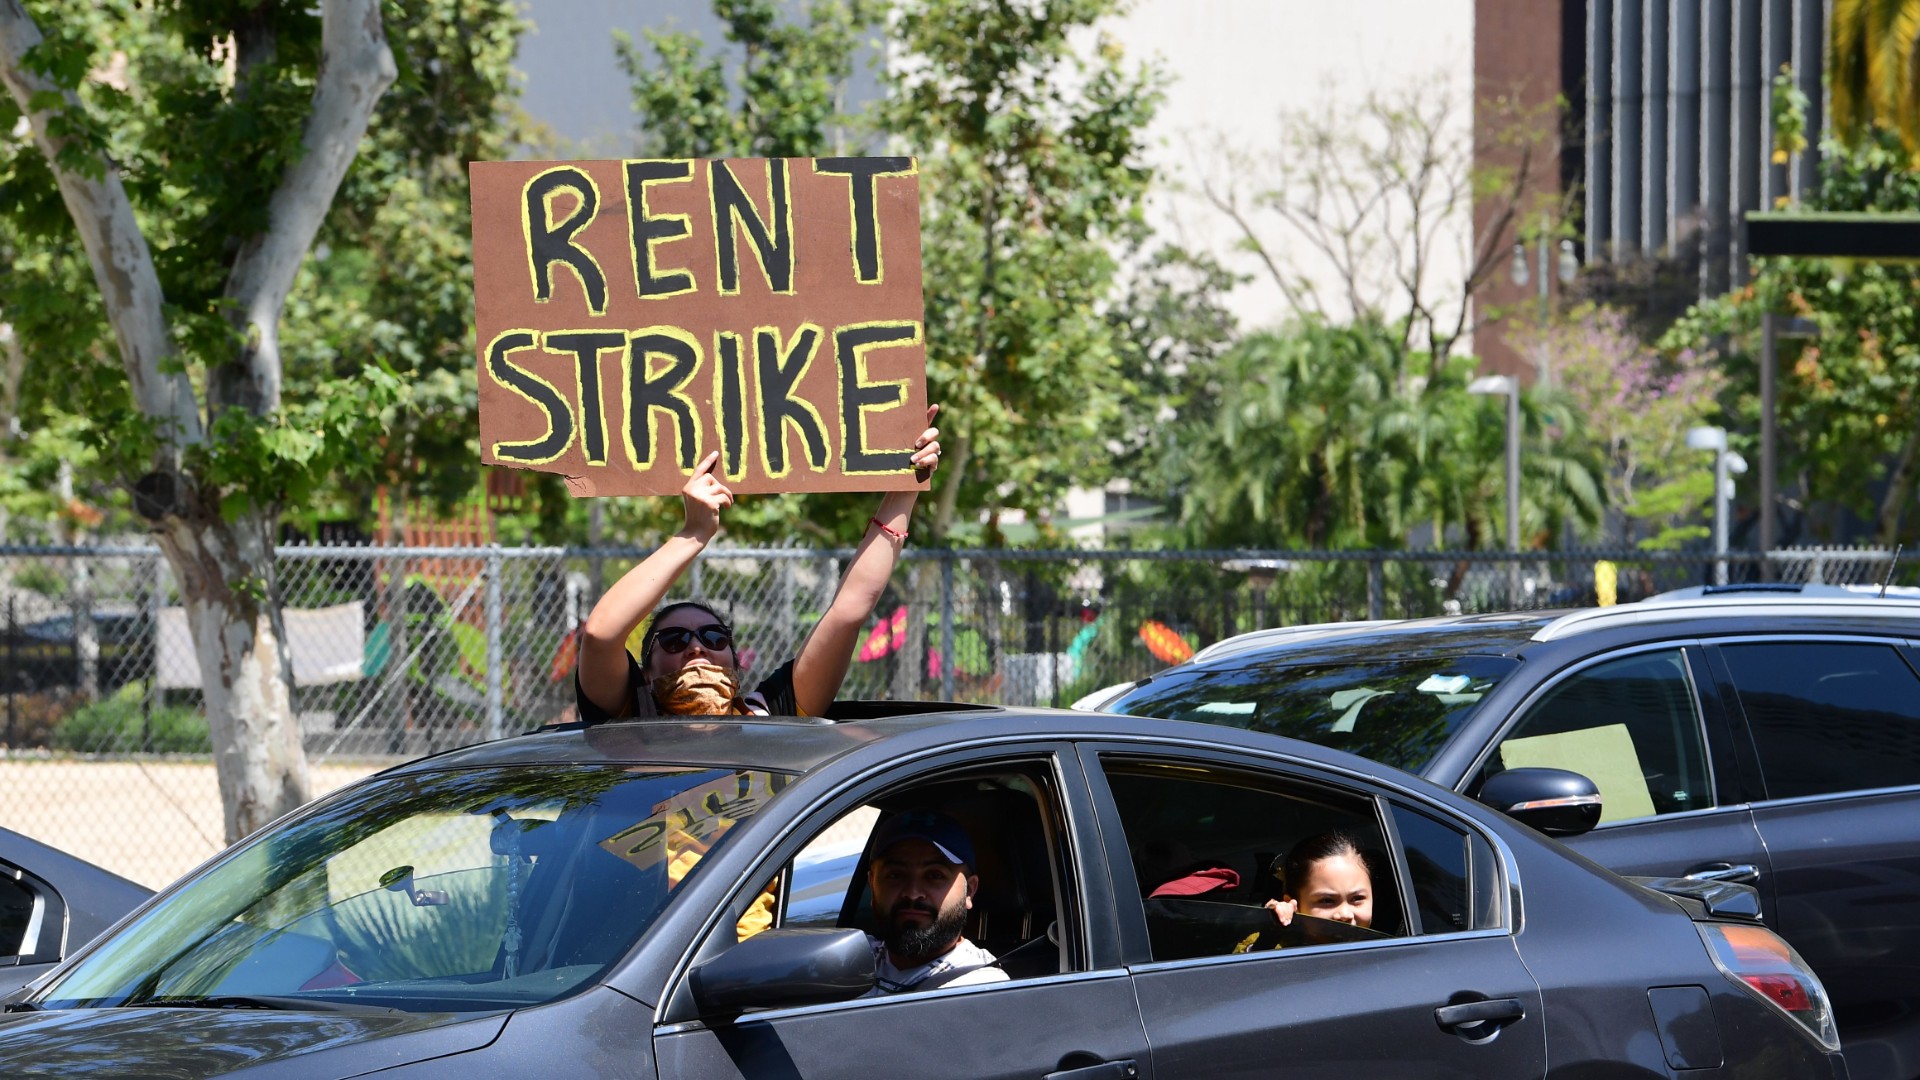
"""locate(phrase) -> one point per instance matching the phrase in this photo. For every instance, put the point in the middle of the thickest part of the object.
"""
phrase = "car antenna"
(1888, 580)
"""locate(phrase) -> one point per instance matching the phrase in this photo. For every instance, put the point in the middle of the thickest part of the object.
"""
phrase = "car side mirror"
(776, 968)
(1555, 801)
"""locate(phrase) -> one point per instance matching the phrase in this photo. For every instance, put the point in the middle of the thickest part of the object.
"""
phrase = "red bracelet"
(897, 534)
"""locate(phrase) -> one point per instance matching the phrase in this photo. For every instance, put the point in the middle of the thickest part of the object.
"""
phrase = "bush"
(115, 726)
(28, 720)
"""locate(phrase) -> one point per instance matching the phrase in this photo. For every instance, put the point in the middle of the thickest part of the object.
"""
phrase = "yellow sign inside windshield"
(688, 823)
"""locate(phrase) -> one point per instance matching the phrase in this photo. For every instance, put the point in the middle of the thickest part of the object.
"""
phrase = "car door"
(1434, 987)
(1037, 872)
(1835, 725)
(1648, 727)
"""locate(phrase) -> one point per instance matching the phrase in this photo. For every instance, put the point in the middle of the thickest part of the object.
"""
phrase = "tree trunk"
(224, 567)
(1893, 506)
(226, 576)
(959, 456)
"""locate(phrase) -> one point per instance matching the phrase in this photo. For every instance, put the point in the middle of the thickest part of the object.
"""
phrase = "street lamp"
(1510, 386)
(1565, 268)
(1725, 462)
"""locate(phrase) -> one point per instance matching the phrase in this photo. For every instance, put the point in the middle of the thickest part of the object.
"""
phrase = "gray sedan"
(691, 899)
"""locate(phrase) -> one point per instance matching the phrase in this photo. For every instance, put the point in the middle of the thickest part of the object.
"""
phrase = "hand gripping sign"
(633, 316)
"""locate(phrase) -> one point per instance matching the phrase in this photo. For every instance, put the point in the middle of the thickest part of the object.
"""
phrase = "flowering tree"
(1637, 405)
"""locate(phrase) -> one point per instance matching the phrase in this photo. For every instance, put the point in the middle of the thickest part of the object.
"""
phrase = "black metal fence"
(400, 651)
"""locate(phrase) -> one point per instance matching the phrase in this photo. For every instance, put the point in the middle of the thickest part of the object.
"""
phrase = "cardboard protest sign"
(633, 316)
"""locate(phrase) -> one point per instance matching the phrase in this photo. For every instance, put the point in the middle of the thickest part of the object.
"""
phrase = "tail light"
(1768, 968)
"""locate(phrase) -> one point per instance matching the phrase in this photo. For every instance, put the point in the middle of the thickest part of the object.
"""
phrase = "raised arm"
(828, 651)
(603, 645)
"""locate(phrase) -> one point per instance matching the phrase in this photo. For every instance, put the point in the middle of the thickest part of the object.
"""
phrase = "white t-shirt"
(964, 965)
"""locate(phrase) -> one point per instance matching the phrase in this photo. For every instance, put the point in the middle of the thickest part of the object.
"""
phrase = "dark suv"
(1757, 737)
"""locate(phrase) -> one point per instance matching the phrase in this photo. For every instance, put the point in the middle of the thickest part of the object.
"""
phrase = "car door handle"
(1478, 1012)
(1106, 1070)
(1742, 873)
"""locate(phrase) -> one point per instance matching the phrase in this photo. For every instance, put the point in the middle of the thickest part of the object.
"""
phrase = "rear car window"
(1398, 711)
(1829, 717)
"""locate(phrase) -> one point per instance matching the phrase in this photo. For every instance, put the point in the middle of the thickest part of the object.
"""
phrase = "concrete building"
(1668, 103)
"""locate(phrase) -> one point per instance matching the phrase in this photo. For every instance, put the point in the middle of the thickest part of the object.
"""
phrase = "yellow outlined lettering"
(538, 392)
(730, 403)
(645, 393)
(777, 371)
(586, 347)
(858, 396)
(734, 213)
(869, 260)
(646, 228)
(551, 243)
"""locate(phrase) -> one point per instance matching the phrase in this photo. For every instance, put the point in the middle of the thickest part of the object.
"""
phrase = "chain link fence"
(398, 652)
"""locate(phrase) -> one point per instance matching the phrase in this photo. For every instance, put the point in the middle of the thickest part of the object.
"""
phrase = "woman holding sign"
(688, 663)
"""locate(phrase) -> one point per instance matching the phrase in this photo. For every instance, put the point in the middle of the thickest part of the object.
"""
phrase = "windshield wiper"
(257, 1001)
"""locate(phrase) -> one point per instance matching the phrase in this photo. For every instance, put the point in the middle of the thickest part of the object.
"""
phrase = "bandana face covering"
(699, 690)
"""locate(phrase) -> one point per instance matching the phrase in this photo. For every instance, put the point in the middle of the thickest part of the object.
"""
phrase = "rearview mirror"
(777, 968)
(1555, 801)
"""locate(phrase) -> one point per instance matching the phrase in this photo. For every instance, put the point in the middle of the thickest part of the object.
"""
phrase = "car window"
(16, 914)
(1398, 711)
(1453, 875)
(1011, 815)
(1828, 716)
(463, 890)
(1631, 725)
(823, 873)
(1209, 847)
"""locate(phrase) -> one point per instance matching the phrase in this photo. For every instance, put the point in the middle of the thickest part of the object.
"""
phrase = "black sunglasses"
(675, 639)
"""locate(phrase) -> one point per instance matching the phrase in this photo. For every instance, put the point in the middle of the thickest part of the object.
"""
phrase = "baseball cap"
(944, 833)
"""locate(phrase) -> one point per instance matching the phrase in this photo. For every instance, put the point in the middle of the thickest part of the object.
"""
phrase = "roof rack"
(1783, 588)
(1723, 606)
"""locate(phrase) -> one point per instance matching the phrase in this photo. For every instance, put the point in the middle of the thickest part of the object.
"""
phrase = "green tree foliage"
(1170, 329)
(1030, 181)
(391, 279)
(182, 163)
(1849, 394)
(777, 90)
(1333, 437)
(389, 283)
(1872, 82)
(1637, 404)
(1030, 178)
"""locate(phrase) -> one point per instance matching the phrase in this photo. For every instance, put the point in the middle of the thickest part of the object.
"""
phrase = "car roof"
(95, 896)
(1806, 589)
(1857, 610)
(1500, 634)
(799, 744)
(1509, 633)
(1278, 635)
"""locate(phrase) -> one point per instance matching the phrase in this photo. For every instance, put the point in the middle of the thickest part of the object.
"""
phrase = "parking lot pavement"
(148, 821)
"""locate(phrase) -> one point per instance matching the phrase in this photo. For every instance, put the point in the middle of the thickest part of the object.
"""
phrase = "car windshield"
(1397, 711)
(457, 891)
